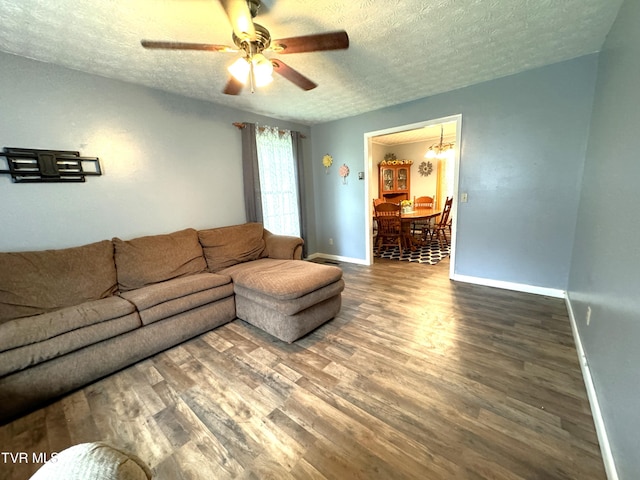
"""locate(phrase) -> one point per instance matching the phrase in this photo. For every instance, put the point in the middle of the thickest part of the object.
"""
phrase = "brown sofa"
(71, 316)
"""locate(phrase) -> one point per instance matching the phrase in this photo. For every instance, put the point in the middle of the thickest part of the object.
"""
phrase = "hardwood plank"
(57, 431)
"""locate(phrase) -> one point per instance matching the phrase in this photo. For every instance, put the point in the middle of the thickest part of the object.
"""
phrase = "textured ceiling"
(400, 50)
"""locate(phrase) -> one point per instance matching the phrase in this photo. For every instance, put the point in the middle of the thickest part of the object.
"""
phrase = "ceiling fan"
(251, 40)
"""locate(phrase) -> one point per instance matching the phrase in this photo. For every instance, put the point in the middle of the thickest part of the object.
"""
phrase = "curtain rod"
(241, 125)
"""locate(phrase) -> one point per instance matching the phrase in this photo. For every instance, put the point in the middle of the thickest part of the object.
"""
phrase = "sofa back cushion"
(32, 283)
(226, 246)
(157, 258)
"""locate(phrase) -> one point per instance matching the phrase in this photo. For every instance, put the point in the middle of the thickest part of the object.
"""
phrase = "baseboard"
(518, 287)
(337, 258)
(601, 431)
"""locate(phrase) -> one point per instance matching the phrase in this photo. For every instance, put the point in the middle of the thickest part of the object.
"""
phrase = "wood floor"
(417, 378)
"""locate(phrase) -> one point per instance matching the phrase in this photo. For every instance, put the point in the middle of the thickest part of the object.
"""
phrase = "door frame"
(371, 190)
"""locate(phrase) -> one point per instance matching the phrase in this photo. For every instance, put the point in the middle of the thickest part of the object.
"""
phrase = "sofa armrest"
(283, 247)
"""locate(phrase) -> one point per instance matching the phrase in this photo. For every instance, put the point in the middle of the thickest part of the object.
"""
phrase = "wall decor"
(425, 169)
(30, 165)
(327, 161)
(344, 173)
(391, 159)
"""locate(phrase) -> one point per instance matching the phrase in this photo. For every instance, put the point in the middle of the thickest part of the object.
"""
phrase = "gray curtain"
(296, 140)
(251, 174)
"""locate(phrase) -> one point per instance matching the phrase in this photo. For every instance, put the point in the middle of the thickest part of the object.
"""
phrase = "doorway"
(412, 133)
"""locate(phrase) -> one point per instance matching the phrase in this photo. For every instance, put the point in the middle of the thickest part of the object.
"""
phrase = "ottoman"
(286, 298)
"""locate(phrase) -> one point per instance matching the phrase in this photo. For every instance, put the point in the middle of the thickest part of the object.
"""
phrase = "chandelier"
(440, 150)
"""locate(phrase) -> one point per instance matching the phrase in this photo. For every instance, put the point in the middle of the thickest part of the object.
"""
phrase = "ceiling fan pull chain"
(252, 52)
(251, 77)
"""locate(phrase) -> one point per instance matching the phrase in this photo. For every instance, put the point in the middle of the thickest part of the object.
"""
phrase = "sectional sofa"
(71, 316)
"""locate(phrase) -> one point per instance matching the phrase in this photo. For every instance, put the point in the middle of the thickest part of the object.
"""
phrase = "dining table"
(423, 213)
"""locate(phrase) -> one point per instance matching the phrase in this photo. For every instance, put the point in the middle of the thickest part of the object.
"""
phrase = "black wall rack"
(29, 165)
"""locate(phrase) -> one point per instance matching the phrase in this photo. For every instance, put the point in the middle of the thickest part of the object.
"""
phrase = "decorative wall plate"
(327, 161)
(344, 172)
(425, 169)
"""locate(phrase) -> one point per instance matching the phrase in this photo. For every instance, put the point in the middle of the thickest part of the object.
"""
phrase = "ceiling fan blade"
(292, 75)
(153, 44)
(233, 87)
(312, 43)
(240, 18)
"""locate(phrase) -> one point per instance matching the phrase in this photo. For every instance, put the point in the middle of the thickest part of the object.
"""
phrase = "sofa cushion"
(147, 297)
(226, 246)
(156, 258)
(290, 306)
(283, 279)
(282, 246)
(32, 283)
(163, 300)
(26, 356)
(24, 331)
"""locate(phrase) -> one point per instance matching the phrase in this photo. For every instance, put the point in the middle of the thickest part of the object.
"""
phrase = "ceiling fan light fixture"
(263, 81)
(240, 69)
(262, 70)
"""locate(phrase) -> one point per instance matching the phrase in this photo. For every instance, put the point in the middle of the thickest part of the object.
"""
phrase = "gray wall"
(606, 256)
(169, 162)
(524, 139)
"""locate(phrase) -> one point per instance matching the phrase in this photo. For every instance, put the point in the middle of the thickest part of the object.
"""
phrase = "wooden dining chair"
(389, 225)
(422, 228)
(442, 225)
(376, 202)
(423, 202)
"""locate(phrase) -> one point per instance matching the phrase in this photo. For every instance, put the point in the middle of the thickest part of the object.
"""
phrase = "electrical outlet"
(464, 198)
(588, 314)
(331, 241)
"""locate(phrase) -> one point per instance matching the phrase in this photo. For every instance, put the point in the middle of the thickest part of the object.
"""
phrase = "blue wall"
(524, 139)
(605, 270)
(169, 162)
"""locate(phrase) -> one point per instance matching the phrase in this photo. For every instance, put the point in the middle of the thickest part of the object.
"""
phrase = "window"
(278, 181)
